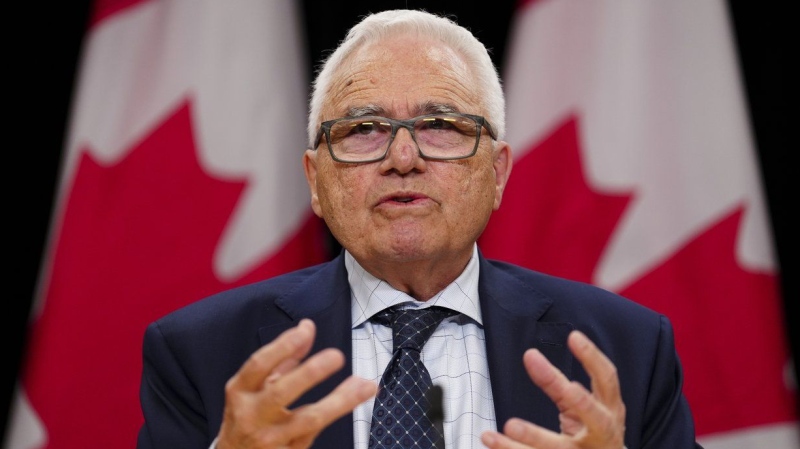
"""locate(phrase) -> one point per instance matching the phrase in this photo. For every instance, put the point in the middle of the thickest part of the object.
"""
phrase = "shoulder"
(554, 287)
(587, 306)
(637, 339)
(242, 304)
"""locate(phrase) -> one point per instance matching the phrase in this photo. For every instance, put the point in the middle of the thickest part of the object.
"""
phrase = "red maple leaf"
(136, 241)
(728, 327)
(550, 220)
(728, 330)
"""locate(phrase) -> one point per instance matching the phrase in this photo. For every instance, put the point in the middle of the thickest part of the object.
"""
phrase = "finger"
(312, 418)
(302, 443)
(553, 382)
(282, 368)
(569, 424)
(607, 423)
(277, 426)
(292, 344)
(285, 389)
(605, 381)
(571, 398)
(518, 433)
(602, 423)
(496, 440)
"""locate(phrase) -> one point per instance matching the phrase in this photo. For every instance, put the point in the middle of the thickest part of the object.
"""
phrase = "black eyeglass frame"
(480, 122)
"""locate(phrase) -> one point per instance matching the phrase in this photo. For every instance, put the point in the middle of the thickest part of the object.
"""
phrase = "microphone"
(436, 413)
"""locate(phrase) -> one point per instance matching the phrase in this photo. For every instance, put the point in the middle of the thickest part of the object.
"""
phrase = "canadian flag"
(181, 177)
(635, 171)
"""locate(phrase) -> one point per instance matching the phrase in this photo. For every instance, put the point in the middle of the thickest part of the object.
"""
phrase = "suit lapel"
(323, 297)
(513, 322)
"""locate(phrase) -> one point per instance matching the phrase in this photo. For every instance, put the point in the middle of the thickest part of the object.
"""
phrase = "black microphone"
(436, 413)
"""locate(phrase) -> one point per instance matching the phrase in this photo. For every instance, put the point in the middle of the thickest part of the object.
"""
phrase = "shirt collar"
(370, 295)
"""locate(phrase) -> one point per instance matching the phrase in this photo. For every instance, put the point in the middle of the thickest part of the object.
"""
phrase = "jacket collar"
(514, 321)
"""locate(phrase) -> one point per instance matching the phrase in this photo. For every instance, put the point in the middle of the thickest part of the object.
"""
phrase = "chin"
(407, 254)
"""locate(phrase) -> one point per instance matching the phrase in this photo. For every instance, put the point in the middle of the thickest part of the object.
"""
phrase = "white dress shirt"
(455, 355)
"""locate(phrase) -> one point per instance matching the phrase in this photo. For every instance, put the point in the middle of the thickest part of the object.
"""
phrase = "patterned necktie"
(399, 416)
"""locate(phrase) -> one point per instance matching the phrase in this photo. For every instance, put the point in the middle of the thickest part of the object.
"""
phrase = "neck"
(420, 278)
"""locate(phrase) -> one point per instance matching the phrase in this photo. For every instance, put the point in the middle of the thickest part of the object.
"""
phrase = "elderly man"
(406, 165)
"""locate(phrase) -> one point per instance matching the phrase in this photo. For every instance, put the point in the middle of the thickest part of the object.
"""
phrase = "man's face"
(405, 208)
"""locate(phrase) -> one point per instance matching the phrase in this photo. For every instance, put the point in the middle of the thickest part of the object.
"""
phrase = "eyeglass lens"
(439, 136)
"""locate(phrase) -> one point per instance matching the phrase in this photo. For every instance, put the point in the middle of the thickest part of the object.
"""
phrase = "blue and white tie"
(400, 414)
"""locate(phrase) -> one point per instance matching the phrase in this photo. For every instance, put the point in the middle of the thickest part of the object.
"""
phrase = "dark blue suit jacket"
(190, 354)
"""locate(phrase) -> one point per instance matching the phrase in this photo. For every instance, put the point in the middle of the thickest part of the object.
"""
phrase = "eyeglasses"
(438, 136)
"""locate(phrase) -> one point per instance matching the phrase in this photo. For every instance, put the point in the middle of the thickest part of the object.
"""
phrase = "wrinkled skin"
(405, 219)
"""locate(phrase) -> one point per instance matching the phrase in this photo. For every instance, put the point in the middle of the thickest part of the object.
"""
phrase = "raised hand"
(258, 396)
(589, 419)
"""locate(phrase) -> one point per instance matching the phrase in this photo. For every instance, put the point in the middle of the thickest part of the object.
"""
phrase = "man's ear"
(503, 160)
(310, 168)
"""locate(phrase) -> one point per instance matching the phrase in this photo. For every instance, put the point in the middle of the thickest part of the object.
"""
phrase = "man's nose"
(403, 154)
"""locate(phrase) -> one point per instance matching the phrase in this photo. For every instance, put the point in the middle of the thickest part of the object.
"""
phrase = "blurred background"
(46, 80)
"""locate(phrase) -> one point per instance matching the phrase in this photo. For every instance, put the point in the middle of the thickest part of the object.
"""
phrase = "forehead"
(403, 77)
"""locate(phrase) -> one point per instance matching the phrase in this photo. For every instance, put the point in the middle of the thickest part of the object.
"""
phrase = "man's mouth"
(402, 198)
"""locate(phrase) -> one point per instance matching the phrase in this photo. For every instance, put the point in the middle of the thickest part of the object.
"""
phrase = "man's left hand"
(589, 419)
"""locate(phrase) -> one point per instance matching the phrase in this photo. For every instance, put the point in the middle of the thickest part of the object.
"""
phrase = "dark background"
(44, 54)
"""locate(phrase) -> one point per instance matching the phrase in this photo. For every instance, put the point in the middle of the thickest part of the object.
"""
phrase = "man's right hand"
(258, 396)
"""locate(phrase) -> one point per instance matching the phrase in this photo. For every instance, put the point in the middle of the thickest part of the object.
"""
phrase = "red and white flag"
(181, 177)
(636, 171)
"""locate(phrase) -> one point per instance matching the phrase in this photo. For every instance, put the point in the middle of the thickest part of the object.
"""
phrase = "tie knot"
(411, 328)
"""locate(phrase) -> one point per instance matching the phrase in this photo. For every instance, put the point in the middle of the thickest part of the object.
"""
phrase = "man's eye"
(439, 124)
(364, 128)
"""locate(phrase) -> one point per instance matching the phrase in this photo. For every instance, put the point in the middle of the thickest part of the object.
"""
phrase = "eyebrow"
(425, 108)
(362, 111)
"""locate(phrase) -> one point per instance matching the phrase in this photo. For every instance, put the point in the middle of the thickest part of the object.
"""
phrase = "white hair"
(378, 26)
